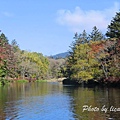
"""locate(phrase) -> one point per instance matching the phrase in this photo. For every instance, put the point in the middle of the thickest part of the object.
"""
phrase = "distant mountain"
(60, 55)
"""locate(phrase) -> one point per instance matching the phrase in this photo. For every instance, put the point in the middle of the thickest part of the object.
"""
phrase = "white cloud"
(78, 20)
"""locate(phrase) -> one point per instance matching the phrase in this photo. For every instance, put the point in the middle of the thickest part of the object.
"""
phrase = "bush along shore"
(3, 82)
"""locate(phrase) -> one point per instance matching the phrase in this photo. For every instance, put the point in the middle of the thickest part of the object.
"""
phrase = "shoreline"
(91, 83)
(7, 81)
(56, 80)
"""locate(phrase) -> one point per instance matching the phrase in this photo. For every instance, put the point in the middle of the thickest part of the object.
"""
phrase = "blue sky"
(48, 26)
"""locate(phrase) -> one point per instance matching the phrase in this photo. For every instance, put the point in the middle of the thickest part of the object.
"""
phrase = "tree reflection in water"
(54, 101)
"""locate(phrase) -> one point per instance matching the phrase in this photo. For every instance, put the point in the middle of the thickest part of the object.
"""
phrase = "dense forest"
(92, 57)
(21, 64)
(96, 57)
(16, 63)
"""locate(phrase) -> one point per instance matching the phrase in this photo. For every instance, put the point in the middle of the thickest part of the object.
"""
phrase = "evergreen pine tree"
(96, 34)
(114, 27)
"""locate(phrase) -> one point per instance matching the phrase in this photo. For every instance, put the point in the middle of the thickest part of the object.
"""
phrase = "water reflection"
(95, 97)
(43, 101)
(53, 101)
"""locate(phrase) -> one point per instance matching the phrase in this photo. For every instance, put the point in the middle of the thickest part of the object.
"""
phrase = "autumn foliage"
(20, 64)
(7, 59)
(94, 60)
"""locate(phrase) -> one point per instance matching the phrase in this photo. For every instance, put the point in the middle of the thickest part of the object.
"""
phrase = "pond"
(54, 101)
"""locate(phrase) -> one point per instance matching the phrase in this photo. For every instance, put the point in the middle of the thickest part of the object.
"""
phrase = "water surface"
(53, 101)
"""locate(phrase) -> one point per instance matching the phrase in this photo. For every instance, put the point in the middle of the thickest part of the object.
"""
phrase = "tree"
(114, 60)
(7, 61)
(81, 38)
(15, 45)
(114, 27)
(4, 38)
(80, 65)
(34, 64)
(98, 52)
(56, 68)
(96, 34)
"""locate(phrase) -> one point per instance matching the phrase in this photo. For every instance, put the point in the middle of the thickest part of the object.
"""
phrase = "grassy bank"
(25, 81)
(41, 81)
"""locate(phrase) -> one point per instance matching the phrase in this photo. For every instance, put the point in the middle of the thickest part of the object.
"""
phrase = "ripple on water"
(41, 107)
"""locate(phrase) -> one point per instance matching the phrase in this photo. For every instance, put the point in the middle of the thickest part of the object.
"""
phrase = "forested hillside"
(60, 55)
